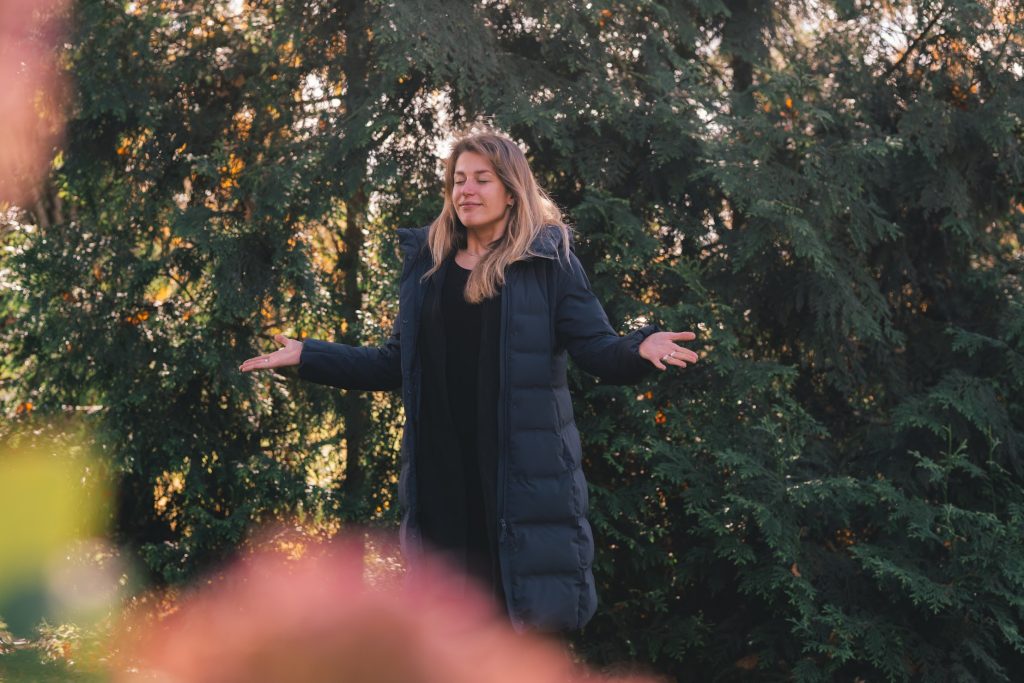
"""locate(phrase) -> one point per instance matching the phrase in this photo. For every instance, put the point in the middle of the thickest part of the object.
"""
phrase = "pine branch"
(914, 43)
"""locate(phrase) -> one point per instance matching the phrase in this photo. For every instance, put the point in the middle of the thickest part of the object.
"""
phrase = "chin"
(473, 223)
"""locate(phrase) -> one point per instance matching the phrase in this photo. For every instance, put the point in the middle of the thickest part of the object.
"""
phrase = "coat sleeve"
(353, 367)
(582, 326)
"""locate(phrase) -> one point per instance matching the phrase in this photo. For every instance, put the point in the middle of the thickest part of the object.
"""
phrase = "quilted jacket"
(546, 545)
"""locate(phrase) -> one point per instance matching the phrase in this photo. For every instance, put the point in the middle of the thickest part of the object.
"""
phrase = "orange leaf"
(748, 663)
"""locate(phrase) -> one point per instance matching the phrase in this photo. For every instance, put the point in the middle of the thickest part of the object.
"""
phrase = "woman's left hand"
(661, 350)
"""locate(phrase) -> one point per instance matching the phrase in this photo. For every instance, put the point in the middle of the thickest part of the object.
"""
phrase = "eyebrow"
(486, 170)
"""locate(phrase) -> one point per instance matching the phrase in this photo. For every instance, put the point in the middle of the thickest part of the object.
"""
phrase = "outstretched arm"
(582, 325)
(338, 365)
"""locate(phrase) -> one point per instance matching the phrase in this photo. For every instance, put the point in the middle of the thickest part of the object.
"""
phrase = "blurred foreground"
(272, 618)
(290, 609)
(32, 99)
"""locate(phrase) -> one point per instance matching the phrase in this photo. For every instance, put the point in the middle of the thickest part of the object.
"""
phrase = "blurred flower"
(32, 94)
(270, 618)
(86, 581)
(46, 504)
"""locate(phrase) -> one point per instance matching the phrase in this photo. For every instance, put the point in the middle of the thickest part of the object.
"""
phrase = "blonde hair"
(532, 209)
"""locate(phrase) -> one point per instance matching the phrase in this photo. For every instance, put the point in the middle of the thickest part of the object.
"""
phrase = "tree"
(829, 193)
(213, 190)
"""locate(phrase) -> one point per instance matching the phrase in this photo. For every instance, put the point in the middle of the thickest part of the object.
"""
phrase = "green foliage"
(6, 638)
(834, 492)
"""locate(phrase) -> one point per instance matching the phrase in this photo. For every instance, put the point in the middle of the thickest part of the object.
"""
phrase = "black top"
(457, 470)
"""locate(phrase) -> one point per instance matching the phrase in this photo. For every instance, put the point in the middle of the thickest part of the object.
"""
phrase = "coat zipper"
(415, 535)
(503, 448)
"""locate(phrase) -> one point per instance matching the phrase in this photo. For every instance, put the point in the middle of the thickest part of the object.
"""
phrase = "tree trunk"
(355, 410)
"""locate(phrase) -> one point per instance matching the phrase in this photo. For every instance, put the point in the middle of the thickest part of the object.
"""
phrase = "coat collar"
(548, 242)
(412, 240)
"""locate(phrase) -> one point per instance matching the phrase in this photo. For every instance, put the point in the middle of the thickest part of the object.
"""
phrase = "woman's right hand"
(287, 355)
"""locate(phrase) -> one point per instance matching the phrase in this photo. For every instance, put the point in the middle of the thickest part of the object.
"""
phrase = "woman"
(491, 299)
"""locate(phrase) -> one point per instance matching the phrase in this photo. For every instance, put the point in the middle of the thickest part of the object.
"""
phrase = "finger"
(662, 361)
(257, 363)
(682, 336)
(685, 353)
(677, 362)
(281, 339)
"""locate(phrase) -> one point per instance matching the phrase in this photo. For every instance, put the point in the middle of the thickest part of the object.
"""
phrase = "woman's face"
(480, 198)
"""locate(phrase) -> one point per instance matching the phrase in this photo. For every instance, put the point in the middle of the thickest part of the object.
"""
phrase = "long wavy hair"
(532, 209)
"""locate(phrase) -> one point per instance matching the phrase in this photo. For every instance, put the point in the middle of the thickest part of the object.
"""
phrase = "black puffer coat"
(546, 544)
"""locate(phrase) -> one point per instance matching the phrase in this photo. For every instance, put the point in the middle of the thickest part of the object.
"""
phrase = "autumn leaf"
(748, 663)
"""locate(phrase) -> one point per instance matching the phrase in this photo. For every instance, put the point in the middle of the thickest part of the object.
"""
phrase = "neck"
(479, 239)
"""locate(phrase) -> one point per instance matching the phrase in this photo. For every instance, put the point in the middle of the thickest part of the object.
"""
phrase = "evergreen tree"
(213, 191)
(829, 194)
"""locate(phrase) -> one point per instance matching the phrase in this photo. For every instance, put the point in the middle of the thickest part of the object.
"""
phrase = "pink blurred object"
(314, 619)
(32, 94)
